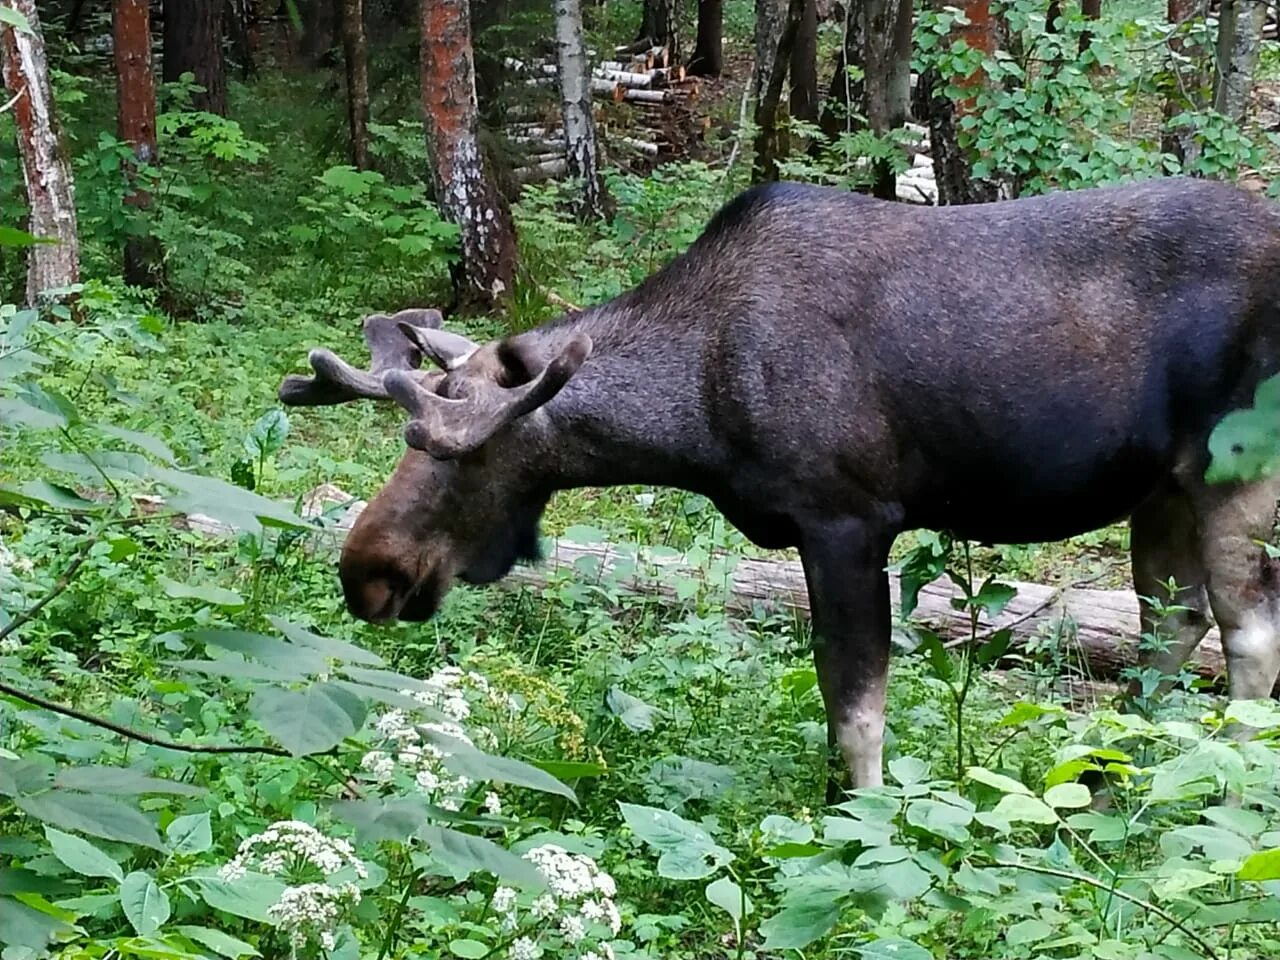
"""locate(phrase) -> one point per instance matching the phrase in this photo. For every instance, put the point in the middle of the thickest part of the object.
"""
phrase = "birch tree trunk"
(50, 192)
(1240, 25)
(708, 50)
(136, 123)
(355, 52)
(575, 102)
(193, 44)
(886, 27)
(464, 191)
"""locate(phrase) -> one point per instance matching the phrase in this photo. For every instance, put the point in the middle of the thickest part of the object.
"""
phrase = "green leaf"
(1263, 714)
(121, 781)
(997, 781)
(146, 906)
(220, 943)
(144, 441)
(941, 819)
(468, 949)
(15, 411)
(12, 236)
(190, 834)
(1263, 865)
(1028, 931)
(728, 896)
(687, 850)
(249, 897)
(82, 856)
(939, 660)
(23, 926)
(95, 815)
(634, 713)
(908, 770)
(462, 758)
(325, 646)
(1016, 807)
(995, 648)
(801, 922)
(1072, 795)
(18, 21)
(893, 948)
(298, 662)
(205, 593)
(464, 853)
(570, 769)
(45, 494)
(267, 435)
(1245, 444)
(305, 721)
(993, 597)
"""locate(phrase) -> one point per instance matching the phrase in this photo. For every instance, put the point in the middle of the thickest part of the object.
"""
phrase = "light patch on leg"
(1253, 656)
(860, 735)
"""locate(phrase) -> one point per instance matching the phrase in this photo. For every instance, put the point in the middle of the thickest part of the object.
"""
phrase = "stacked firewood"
(645, 112)
(1270, 27)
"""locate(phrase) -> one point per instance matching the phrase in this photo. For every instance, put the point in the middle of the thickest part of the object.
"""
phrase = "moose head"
(464, 501)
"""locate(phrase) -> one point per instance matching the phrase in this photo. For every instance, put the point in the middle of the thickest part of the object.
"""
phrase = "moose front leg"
(844, 566)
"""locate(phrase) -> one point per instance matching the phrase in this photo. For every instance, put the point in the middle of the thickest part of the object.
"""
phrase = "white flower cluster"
(11, 561)
(578, 906)
(407, 745)
(286, 849)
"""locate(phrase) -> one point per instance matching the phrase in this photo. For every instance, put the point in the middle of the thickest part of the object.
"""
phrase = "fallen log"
(547, 169)
(650, 96)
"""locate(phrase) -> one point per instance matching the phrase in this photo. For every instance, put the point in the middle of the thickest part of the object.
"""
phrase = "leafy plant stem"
(389, 940)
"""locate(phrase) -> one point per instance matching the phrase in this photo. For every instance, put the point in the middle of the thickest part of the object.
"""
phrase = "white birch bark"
(575, 102)
(1240, 25)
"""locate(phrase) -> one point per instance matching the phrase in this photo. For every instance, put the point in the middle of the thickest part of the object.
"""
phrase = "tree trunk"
(50, 192)
(1240, 25)
(767, 149)
(886, 25)
(978, 34)
(136, 124)
(708, 51)
(575, 101)
(803, 102)
(844, 97)
(355, 53)
(463, 188)
(658, 26)
(193, 44)
(1091, 10)
(771, 16)
(1187, 93)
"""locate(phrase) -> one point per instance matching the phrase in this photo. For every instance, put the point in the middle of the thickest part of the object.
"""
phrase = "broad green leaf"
(249, 897)
(97, 816)
(146, 906)
(464, 853)
(801, 922)
(1016, 807)
(220, 943)
(1263, 714)
(23, 926)
(41, 494)
(267, 435)
(728, 896)
(297, 661)
(1247, 823)
(19, 22)
(1245, 444)
(997, 781)
(687, 850)
(1071, 795)
(190, 834)
(569, 769)
(1263, 865)
(82, 856)
(144, 441)
(1028, 931)
(467, 760)
(205, 593)
(15, 411)
(121, 781)
(908, 770)
(225, 502)
(468, 949)
(326, 646)
(305, 721)
(634, 713)
(893, 948)
(12, 236)
(234, 669)
(942, 819)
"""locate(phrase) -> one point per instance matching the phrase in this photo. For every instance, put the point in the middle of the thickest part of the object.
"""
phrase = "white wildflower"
(573, 929)
(504, 899)
(292, 844)
(523, 949)
(380, 764)
(312, 909)
(10, 644)
(492, 803)
(545, 906)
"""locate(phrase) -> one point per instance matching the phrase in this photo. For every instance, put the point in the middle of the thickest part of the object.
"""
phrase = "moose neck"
(633, 413)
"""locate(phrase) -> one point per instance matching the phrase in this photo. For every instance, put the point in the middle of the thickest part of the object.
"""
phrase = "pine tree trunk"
(803, 102)
(193, 44)
(1240, 25)
(767, 146)
(463, 189)
(50, 192)
(1188, 91)
(887, 29)
(708, 51)
(136, 123)
(355, 53)
(575, 102)
(1090, 10)
(844, 97)
(771, 17)
(658, 25)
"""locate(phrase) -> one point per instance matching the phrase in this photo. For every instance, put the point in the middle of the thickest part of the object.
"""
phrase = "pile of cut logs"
(917, 183)
(647, 80)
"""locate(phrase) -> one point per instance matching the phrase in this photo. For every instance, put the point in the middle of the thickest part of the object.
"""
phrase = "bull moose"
(832, 370)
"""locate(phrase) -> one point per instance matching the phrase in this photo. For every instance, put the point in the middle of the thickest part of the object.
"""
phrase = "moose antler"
(447, 427)
(336, 381)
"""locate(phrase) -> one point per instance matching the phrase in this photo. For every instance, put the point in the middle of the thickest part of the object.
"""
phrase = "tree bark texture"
(845, 95)
(658, 24)
(45, 170)
(767, 146)
(464, 191)
(708, 50)
(136, 123)
(771, 17)
(575, 101)
(1090, 10)
(193, 44)
(886, 27)
(1189, 88)
(978, 34)
(1240, 25)
(951, 170)
(803, 101)
(355, 53)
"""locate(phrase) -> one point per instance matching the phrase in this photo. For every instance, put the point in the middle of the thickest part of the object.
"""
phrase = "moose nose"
(375, 600)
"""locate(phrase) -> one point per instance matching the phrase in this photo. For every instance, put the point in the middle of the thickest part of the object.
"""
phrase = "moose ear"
(447, 428)
(447, 350)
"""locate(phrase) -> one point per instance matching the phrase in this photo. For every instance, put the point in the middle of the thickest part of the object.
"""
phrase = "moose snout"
(375, 599)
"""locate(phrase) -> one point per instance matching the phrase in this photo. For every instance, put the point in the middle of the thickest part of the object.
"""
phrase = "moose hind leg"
(1164, 546)
(1244, 583)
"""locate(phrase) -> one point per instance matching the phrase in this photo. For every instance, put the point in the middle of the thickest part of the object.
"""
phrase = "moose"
(831, 370)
